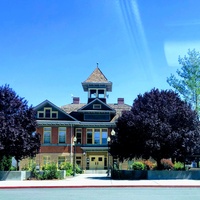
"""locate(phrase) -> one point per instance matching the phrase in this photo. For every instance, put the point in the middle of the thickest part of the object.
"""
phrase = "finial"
(97, 64)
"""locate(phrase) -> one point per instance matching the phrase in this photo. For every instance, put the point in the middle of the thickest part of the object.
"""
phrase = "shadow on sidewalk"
(99, 178)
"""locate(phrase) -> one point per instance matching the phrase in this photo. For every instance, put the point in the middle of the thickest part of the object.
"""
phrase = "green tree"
(189, 83)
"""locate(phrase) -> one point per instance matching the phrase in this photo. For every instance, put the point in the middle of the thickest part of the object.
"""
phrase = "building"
(79, 132)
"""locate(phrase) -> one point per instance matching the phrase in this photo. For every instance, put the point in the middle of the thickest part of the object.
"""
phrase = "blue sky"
(48, 47)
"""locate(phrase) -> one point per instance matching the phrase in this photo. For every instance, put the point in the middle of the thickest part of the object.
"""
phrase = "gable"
(47, 110)
(96, 106)
(97, 111)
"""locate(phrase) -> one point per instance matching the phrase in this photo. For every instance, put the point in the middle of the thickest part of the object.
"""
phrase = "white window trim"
(93, 130)
(65, 135)
(50, 135)
(51, 112)
(97, 106)
(79, 130)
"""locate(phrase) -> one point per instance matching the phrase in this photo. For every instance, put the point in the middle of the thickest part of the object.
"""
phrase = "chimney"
(120, 100)
(76, 100)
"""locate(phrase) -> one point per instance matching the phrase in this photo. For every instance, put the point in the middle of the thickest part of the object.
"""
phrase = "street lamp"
(74, 160)
(109, 140)
(83, 160)
(112, 132)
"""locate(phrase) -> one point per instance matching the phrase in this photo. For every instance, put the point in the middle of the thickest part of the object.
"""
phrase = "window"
(40, 114)
(47, 135)
(92, 158)
(54, 115)
(61, 159)
(100, 159)
(79, 135)
(89, 136)
(62, 134)
(97, 106)
(47, 113)
(78, 161)
(104, 136)
(46, 160)
(97, 117)
(93, 94)
(97, 136)
(101, 93)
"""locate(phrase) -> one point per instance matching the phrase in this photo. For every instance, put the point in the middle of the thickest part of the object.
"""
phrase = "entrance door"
(97, 162)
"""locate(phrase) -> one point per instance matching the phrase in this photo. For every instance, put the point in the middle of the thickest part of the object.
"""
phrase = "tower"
(97, 86)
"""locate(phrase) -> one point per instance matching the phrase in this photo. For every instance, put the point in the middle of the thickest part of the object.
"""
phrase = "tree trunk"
(159, 165)
(17, 165)
(1, 163)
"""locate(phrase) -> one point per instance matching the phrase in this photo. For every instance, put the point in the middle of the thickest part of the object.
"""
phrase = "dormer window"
(47, 113)
(54, 115)
(40, 114)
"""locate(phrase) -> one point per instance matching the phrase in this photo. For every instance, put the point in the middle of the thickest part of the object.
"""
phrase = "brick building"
(89, 124)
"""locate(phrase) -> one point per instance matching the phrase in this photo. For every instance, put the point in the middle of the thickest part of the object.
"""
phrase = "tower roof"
(97, 79)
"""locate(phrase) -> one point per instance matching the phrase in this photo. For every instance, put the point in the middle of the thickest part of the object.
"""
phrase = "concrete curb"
(97, 186)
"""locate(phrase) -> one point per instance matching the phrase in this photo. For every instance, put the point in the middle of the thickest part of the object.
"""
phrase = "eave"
(56, 123)
(75, 123)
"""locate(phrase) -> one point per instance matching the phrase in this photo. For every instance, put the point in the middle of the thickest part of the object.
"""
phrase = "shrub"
(178, 166)
(25, 168)
(78, 170)
(150, 165)
(167, 164)
(34, 172)
(50, 171)
(139, 166)
(29, 166)
(13, 168)
(68, 167)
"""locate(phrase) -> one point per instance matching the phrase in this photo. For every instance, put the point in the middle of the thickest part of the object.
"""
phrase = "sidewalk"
(95, 181)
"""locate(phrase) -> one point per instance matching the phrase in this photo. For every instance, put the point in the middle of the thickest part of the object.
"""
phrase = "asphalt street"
(101, 193)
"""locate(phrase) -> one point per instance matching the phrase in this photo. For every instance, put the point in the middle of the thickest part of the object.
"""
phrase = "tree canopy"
(17, 126)
(189, 83)
(159, 125)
